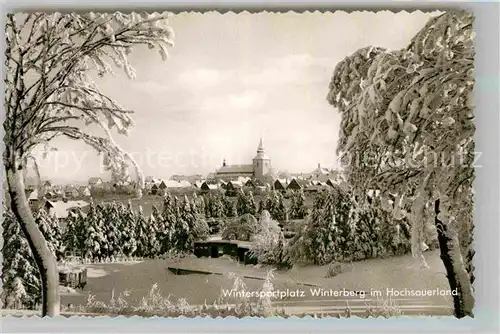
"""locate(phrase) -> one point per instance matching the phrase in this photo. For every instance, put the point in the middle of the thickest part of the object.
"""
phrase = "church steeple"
(260, 149)
(261, 162)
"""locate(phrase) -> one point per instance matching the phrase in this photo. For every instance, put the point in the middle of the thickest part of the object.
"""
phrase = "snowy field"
(138, 277)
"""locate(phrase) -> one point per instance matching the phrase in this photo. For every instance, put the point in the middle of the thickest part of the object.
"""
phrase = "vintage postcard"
(247, 165)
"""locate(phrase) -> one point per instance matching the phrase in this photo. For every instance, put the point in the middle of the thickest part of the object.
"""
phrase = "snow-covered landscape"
(239, 165)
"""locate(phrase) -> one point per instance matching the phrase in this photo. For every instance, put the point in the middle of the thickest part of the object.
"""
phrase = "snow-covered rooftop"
(61, 209)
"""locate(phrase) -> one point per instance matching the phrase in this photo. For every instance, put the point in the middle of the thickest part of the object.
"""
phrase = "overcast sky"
(231, 79)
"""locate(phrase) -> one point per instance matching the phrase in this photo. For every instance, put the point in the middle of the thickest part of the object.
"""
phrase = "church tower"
(261, 163)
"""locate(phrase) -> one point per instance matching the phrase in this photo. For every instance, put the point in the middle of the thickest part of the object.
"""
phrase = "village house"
(296, 184)
(250, 184)
(85, 192)
(198, 184)
(50, 195)
(33, 199)
(206, 186)
(154, 189)
(61, 209)
(72, 192)
(95, 182)
(280, 185)
(232, 188)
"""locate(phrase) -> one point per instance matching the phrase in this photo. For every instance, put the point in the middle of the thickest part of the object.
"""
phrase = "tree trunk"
(45, 260)
(458, 278)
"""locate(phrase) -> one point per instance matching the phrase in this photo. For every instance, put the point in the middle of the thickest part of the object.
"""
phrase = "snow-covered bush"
(269, 242)
(241, 228)
(229, 207)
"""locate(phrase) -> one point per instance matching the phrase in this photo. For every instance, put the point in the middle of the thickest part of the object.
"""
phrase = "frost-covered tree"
(49, 226)
(214, 206)
(245, 203)
(51, 59)
(142, 234)
(262, 206)
(21, 284)
(229, 207)
(275, 204)
(329, 232)
(95, 243)
(167, 223)
(181, 228)
(154, 244)
(199, 203)
(74, 233)
(242, 228)
(298, 208)
(112, 230)
(412, 111)
(268, 242)
(252, 206)
(197, 225)
(241, 203)
(128, 219)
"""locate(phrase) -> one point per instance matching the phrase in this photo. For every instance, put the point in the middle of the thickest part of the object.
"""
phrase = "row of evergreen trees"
(113, 230)
(341, 229)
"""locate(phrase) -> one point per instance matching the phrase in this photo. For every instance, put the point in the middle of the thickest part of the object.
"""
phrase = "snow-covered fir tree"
(245, 203)
(198, 227)
(262, 206)
(74, 234)
(298, 208)
(275, 204)
(229, 207)
(142, 234)
(199, 203)
(95, 243)
(366, 236)
(127, 228)
(153, 242)
(241, 203)
(112, 231)
(21, 285)
(329, 229)
(252, 206)
(49, 226)
(214, 206)
(167, 223)
(181, 232)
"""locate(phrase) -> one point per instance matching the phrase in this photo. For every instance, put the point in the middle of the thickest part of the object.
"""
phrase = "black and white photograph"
(239, 164)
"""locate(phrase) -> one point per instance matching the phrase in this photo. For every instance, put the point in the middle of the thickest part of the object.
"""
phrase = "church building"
(259, 169)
